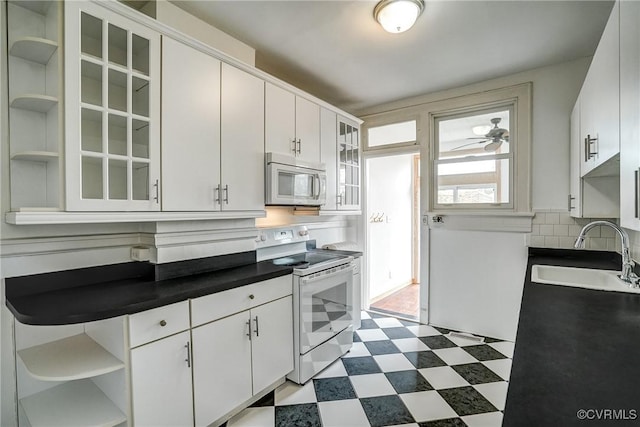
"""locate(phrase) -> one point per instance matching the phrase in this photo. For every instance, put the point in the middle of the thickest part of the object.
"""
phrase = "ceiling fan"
(496, 135)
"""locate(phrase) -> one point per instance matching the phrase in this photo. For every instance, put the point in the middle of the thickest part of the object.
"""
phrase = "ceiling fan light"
(481, 130)
(397, 16)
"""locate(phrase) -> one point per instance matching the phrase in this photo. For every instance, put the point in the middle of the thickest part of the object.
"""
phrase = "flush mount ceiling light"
(397, 16)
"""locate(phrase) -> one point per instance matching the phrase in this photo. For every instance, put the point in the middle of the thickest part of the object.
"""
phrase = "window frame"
(386, 119)
(520, 130)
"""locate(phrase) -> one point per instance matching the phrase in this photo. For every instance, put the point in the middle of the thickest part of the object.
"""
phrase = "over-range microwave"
(292, 182)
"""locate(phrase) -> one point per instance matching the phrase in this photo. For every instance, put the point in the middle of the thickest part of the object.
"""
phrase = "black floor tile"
(437, 342)
(376, 315)
(466, 401)
(424, 359)
(408, 381)
(400, 332)
(476, 373)
(298, 415)
(356, 338)
(368, 324)
(360, 365)
(381, 347)
(386, 411)
(484, 352)
(443, 331)
(268, 400)
(338, 388)
(489, 340)
(449, 422)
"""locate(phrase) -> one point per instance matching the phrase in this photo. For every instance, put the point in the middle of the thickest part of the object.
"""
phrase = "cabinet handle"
(294, 149)
(163, 323)
(249, 325)
(157, 187)
(637, 194)
(299, 146)
(226, 194)
(217, 192)
(188, 359)
(251, 296)
(257, 328)
(570, 208)
(340, 199)
(591, 141)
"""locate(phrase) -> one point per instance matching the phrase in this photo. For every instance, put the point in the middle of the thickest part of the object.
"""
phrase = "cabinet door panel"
(329, 156)
(242, 145)
(308, 130)
(221, 367)
(279, 120)
(190, 128)
(161, 383)
(575, 151)
(272, 350)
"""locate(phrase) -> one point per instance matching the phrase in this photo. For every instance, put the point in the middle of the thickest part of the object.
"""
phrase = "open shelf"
(37, 103)
(34, 49)
(36, 156)
(75, 403)
(67, 359)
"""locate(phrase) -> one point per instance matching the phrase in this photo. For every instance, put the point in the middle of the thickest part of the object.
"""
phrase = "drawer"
(158, 323)
(215, 306)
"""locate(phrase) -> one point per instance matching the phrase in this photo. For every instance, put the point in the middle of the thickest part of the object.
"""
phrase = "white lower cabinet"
(161, 382)
(239, 356)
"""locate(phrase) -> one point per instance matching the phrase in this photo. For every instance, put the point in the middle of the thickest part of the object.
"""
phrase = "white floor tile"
(254, 417)
(293, 394)
(405, 425)
(502, 367)
(358, 350)
(371, 385)
(443, 377)
(388, 322)
(491, 419)
(410, 344)
(336, 369)
(462, 342)
(454, 356)
(423, 330)
(365, 315)
(342, 413)
(427, 406)
(504, 347)
(371, 334)
(393, 362)
(496, 393)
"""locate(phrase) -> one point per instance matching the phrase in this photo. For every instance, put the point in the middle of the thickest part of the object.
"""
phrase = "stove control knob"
(263, 238)
(303, 232)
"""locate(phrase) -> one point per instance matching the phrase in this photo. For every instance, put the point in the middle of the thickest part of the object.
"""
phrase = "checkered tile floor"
(397, 373)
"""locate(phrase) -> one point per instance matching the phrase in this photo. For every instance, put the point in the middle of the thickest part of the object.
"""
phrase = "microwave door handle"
(316, 179)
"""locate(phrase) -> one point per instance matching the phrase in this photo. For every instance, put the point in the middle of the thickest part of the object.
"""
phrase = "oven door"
(295, 185)
(326, 305)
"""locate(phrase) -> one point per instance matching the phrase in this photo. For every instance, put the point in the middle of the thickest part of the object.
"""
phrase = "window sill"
(514, 222)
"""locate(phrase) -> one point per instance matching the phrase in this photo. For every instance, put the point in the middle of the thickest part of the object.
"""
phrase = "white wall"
(390, 193)
(465, 293)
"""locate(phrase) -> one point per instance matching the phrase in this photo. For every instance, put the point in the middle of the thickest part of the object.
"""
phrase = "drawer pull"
(257, 327)
(249, 325)
(188, 359)
(251, 296)
(163, 323)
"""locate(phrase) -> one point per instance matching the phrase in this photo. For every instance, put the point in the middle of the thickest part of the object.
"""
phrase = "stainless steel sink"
(587, 278)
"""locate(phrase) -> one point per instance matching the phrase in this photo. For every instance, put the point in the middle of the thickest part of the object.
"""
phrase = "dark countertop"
(77, 296)
(576, 349)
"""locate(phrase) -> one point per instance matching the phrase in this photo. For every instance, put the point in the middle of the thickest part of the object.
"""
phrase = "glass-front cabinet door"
(348, 165)
(112, 111)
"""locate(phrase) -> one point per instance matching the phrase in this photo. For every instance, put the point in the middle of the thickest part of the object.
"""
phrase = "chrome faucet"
(627, 275)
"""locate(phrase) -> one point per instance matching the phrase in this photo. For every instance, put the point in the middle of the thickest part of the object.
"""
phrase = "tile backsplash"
(556, 229)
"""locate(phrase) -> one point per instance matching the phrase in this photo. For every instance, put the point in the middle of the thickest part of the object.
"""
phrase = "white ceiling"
(336, 51)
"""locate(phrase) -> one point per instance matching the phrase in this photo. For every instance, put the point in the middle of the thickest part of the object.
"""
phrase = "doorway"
(393, 234)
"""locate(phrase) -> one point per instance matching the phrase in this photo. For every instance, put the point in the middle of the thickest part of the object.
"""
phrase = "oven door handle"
(306, 280)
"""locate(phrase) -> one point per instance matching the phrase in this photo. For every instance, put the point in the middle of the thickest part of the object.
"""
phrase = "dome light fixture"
(397, 16)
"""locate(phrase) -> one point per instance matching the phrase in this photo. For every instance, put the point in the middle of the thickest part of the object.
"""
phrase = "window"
(479, 152)
(392, 134)
(474, 158)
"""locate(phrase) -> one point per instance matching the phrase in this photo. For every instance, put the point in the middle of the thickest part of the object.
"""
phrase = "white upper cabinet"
(112, 111)
(600, 97)
(190, 128)
(242, 141)
(574, 202)
(329, 156)
(629, 114)
(292, 124)
(348, 164)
